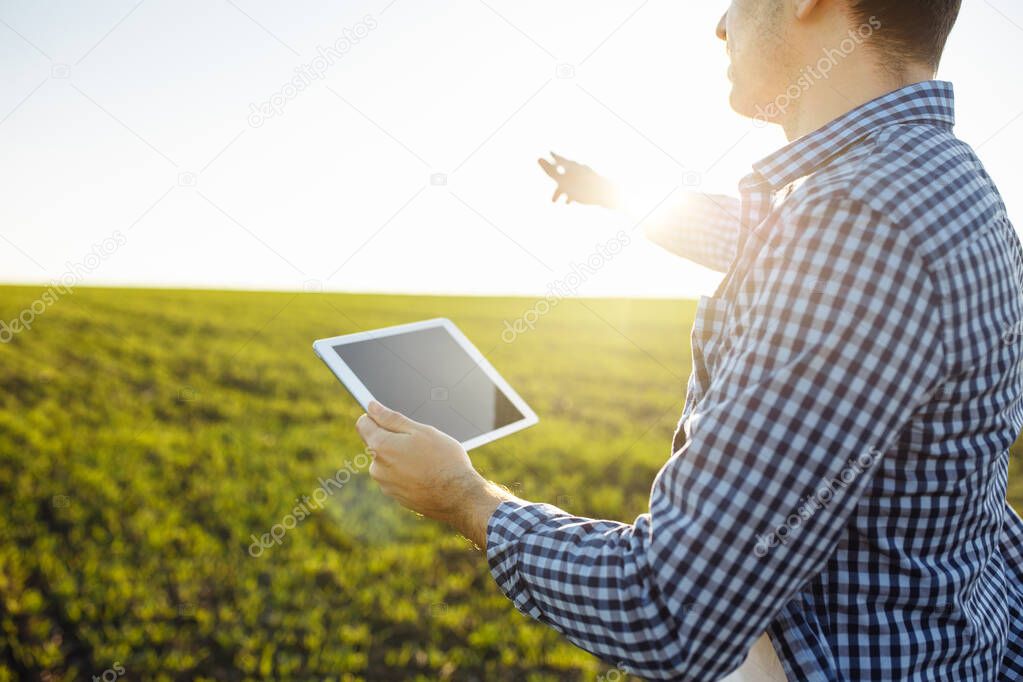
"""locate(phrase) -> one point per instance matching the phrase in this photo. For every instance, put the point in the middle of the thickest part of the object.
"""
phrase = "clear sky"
(137, 117)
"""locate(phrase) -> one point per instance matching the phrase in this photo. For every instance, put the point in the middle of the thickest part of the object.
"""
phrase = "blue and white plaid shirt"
(839, 475)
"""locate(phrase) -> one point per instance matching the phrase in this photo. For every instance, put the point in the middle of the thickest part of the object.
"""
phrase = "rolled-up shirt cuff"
(510, 521)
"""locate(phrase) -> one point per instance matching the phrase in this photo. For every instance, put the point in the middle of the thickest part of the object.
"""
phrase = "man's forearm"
(481, 499)
(699, 227)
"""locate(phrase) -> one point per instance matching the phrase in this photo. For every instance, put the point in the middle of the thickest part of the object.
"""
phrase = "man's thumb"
(389, 419)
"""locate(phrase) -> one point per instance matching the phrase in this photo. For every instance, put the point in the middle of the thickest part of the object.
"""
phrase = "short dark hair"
(911, 30)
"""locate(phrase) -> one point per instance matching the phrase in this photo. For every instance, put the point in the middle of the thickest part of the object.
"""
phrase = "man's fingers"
(553, 171)
(379, 441)
(549, 168)
(376, 469)
(390, 420)
(562, 161)
(367, 428)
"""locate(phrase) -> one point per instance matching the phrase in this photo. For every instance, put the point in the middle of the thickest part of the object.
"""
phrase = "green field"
(145, 435)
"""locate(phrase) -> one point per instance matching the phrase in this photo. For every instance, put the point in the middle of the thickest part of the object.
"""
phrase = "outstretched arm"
(699, 227)
(703, 228)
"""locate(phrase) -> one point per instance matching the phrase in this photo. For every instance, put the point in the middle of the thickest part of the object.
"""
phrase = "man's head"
(781, 49)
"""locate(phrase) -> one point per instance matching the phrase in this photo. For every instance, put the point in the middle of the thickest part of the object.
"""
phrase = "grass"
(146, 435)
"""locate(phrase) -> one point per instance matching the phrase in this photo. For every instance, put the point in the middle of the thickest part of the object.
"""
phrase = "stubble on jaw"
(765, 61)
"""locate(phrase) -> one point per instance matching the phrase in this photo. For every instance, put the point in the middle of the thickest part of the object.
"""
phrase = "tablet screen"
(427, 375)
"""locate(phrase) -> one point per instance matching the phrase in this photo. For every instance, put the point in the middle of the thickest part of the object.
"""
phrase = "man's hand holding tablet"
(432, 373)
(428, 471)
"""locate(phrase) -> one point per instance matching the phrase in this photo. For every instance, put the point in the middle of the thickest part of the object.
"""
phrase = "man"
(839, 473)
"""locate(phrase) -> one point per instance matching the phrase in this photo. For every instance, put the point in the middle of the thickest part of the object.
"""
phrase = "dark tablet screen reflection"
(428, 376)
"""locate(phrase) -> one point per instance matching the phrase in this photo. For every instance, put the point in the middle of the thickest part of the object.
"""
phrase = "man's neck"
(843, 92)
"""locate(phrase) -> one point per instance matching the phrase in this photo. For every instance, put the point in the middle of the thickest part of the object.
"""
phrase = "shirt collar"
(926, 102)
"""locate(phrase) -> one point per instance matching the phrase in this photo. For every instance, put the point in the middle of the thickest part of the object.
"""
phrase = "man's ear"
(804, 8)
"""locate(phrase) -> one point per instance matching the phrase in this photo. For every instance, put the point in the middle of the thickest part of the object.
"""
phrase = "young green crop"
(147, 435)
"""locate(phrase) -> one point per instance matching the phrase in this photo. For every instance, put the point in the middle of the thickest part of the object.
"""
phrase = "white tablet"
(432, 373)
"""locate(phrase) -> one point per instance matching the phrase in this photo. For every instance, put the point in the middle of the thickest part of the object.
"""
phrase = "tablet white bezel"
(325, 349)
